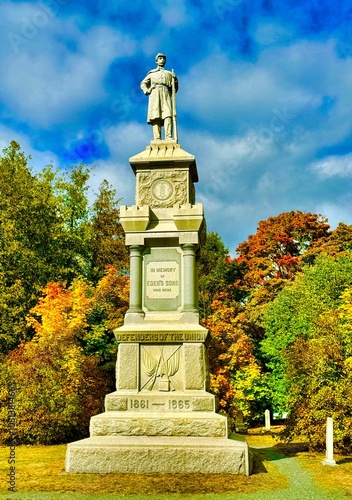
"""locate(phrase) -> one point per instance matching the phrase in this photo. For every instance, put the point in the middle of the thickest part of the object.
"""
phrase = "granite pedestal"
(161, 417)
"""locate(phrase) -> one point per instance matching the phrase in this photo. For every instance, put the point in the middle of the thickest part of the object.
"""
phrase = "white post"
(267, 420)
(329, 459)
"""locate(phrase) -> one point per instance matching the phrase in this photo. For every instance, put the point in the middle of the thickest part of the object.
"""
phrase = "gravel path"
(302, 486)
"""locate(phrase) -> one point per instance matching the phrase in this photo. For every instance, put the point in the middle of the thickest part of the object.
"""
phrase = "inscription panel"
(168, 337)
(162, 279)
(146, 401)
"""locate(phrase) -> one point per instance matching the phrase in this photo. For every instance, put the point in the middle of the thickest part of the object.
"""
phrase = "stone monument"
(329, 458)
(161, 419)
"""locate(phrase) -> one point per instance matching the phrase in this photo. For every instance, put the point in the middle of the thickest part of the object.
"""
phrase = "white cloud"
(46, 82)
(119, 175)
(334, 166)
(123, 140)
(128, 139)
(262, 125)
(39, 159)
(173, 14)
(242, 181)
(268, 33)
(257, 123)
(336, 212)
(234, 95)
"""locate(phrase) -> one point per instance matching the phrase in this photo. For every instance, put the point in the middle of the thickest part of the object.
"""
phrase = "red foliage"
(275, 250)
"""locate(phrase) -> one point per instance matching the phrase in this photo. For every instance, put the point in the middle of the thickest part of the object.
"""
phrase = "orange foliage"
(234, 374)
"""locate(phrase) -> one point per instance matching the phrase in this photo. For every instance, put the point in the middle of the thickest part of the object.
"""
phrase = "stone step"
(199, 424)
(143, 455)
(175, 401)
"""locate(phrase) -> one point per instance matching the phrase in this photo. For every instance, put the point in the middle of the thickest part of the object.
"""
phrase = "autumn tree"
(274, 251)
(235, 376)
(334, 244)
(274, 256)
(111, 301)
(58, 388)
(62, 375)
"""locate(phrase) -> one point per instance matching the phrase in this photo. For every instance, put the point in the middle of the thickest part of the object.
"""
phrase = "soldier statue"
(161, 86)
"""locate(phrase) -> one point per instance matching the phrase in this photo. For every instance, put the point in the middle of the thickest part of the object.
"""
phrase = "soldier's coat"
(160, 104)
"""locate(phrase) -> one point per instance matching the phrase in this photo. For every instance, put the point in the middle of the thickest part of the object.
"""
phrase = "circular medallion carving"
(162, 189)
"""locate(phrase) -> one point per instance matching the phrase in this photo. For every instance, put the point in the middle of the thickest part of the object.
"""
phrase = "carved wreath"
(145, 189)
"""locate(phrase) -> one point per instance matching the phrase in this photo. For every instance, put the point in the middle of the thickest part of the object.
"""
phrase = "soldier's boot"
(168, 128)
(157, 132)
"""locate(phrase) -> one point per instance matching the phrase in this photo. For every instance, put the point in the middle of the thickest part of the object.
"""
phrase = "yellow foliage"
(62, 312)
(345, 317)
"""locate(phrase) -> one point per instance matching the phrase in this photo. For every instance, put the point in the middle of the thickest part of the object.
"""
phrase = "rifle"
(174, 120)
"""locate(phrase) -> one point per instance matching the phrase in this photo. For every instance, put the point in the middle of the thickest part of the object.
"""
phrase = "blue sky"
(265, 97)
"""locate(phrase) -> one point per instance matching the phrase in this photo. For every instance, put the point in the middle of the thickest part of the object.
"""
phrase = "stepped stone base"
(151, 454)
(201, 424)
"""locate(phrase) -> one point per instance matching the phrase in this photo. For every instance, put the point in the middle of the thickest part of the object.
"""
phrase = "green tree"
(293, 316)
(320, 376)
(219, 275)
(107, 236)
(48, 232)
(72, 252)
(28, 227)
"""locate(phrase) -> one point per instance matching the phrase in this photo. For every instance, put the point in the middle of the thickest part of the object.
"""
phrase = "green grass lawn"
(41, 469)
(40, 474)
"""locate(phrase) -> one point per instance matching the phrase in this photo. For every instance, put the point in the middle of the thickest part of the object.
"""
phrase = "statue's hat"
(158, 55)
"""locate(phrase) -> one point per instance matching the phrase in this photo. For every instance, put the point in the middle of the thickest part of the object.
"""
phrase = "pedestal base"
(168, 424)
(328, 461)
(151, 454)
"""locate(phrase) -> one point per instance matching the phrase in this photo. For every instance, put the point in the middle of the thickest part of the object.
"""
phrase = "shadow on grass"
(346, 460)
(279, 451)
(290, 449)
